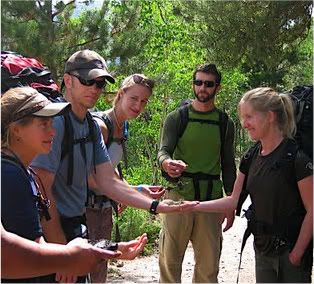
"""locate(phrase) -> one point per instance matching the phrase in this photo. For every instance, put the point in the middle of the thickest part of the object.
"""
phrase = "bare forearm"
(219, 205)
(121, 192)
(224, 204)
(306, 234)
(24, 258)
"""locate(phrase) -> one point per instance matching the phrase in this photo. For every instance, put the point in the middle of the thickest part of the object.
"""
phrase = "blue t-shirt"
(70, 200)
(19, 212)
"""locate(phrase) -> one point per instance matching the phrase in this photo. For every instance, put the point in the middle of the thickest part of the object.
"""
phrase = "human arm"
(114, 188)
(306, 232)
(228, 203)
(153, 191)
(131, 249)
(228, 166)
(229, 218)
(22, 258)
(168, 142)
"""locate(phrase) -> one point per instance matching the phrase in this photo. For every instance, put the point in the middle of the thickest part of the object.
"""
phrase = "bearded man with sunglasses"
(196, 158)
(86, 75)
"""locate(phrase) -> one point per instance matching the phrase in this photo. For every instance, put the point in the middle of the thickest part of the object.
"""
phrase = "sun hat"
(18, 103)
(88, 65)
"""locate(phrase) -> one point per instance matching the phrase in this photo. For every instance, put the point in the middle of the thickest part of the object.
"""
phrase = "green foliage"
(134, 222)
(260, 36)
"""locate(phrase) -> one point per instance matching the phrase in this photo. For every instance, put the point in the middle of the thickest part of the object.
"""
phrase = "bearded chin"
(204, 99)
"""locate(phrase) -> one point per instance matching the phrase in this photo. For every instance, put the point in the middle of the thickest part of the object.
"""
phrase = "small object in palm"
(104, 244)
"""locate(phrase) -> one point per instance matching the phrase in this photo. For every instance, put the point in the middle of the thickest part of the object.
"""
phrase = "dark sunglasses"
(208, 84)
(143, 81)
(99, 84)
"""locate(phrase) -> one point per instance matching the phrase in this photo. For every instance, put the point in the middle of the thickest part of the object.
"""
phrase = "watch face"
(153, 207)
(104, 244)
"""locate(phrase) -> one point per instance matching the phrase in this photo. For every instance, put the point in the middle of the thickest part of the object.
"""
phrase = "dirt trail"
(146, 270)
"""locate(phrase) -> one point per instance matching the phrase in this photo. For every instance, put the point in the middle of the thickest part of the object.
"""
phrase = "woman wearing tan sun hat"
(26, 131)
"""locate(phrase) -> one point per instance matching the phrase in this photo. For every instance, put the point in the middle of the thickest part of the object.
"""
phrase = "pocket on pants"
(161, 242)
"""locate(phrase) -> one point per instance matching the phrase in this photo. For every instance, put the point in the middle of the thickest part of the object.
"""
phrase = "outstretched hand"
(86, 257)
(153, 191)
(169, 206)
(130, 250)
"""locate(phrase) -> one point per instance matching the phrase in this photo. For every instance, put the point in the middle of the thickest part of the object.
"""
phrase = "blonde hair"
(133, 80)
(266, 99)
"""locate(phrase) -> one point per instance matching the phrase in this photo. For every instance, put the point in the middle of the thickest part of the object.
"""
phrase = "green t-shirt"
(199, 148)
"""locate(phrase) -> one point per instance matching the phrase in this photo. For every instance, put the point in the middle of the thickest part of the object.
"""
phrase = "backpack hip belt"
(196, 177)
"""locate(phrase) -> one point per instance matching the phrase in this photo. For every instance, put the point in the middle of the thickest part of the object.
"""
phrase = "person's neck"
(118, 116)
(203, 107)
(271, 142)
(79, 110)
(16, 151)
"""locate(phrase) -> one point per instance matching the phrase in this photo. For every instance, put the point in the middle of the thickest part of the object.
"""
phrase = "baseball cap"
(18, 103)
(88, 65)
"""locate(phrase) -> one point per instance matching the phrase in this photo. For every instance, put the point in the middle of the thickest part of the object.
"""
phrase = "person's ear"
(15, 131)
(121, 93)
(271, 116)
(67, 80)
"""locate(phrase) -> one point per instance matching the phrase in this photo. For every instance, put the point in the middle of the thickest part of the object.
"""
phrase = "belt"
(196, 177)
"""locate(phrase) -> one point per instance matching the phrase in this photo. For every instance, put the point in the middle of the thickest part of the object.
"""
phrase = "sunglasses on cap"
(143, 81)
(208, 84)
(99, 84)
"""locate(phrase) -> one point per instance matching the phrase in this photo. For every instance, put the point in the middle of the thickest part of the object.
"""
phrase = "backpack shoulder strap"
(108, 122)
(93, 136)
(67, 146)
(223, 124)
(184, 118)
(244, 193)
(289, 155)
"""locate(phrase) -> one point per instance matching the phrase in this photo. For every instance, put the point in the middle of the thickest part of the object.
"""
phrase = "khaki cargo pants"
(204, 232)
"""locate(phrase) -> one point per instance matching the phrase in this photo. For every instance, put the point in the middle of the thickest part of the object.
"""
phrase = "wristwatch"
(153, 207)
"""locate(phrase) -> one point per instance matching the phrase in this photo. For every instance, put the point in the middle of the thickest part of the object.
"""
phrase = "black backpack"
(18, 71)
(302, 98)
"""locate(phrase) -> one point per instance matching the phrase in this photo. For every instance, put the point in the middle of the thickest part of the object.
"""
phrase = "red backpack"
(18, 71)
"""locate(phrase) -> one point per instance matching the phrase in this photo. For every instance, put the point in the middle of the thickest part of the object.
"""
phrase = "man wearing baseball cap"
(89, 65)
(85, 77)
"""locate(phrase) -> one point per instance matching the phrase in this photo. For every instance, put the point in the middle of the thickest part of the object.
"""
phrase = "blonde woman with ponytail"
(279, 180)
